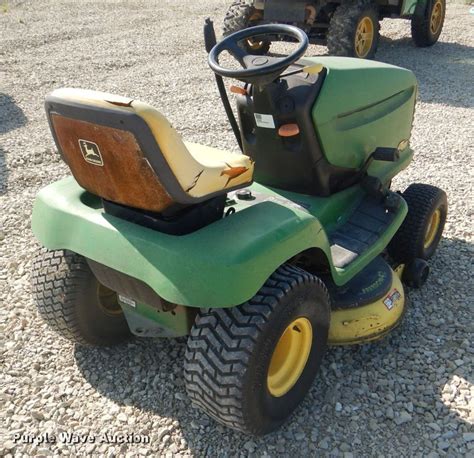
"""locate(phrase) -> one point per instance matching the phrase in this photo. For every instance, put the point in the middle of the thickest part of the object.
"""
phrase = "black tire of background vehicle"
(409, 242)
(68, 298)
(421, 31)
(343, 26)
(238, 17)
(229, 352)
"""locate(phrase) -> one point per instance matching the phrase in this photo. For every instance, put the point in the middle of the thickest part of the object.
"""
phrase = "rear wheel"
(427, 22)
(250, 366)
(73, 302)
(354, 30)
(420, 233)
(242, 15)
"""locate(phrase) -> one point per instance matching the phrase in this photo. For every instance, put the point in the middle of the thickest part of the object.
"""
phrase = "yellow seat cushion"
(200, 170)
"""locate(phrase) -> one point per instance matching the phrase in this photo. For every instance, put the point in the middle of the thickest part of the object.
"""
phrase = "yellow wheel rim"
(108, 300)
(253, 44)
(432, 229)
(364, 37)
(289, 357)
(436, 17)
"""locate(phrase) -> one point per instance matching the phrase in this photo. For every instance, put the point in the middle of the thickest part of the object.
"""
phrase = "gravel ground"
(410, 394)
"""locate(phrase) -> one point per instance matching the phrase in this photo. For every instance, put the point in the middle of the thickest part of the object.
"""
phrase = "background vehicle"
(347, 27)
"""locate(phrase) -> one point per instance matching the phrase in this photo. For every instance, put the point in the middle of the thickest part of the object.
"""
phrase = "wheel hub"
(436, 17)
(289, 357)
(108, 300)
(364, 36)
(432, 228)
(255, 45)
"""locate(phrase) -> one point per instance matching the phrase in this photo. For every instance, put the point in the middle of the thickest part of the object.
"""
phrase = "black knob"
(244, 194)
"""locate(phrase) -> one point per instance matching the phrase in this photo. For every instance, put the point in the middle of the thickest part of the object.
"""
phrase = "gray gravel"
(411, 394)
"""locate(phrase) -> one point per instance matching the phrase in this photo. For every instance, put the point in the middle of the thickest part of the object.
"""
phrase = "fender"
(221, 265)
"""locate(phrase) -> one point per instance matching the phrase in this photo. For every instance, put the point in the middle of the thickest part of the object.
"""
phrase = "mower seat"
(126, 152)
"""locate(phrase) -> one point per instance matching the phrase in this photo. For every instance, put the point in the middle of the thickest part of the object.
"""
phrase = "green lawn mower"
(261, 258)
(347, 27)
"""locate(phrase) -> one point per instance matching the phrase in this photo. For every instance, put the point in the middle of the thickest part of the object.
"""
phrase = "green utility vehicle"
(260, 258)
(347, 27)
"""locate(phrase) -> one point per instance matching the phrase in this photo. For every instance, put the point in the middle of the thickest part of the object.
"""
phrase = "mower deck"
(367, 307)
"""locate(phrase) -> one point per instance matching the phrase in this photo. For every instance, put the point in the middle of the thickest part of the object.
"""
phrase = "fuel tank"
(362, 105)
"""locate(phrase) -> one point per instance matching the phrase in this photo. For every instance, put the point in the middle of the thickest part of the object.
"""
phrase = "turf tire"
(229, 352)
(343, 25)
(238, 17)
(66, 295)
(423, 200)
(416, 273)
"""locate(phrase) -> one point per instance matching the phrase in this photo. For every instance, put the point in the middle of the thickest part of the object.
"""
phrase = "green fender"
(221, 265)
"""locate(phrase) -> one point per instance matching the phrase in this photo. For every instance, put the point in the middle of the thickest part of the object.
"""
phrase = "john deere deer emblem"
(91, 152)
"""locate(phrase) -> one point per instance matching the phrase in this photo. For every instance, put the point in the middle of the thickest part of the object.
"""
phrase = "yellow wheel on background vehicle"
(290, 357)
(432, 228)
(364, 37)
(437, 16)
(256, 46)
(427, 22)
(354, 29)
(241, 15)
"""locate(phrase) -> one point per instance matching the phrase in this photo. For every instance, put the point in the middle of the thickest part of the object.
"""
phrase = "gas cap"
(244, 194)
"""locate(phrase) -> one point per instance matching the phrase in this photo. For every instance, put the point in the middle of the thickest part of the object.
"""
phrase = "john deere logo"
(91, 152)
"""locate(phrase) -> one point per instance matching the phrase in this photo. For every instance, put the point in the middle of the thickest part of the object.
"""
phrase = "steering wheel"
(259, 70)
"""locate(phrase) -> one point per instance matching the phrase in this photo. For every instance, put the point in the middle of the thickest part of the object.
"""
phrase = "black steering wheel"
(259, 70)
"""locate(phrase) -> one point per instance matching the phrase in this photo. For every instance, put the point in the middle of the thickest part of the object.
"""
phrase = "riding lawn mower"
(347, 27)
(261, 259)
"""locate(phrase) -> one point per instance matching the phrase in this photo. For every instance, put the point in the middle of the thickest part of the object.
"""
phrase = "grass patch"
(4, 7)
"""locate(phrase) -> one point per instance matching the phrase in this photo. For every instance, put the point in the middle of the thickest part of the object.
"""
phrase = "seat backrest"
(125, 151)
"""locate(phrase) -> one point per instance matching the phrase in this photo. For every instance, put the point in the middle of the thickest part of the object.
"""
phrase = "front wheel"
(427, 22)
(73, 303)
(354, 30)
(250, 366)
(420, 233)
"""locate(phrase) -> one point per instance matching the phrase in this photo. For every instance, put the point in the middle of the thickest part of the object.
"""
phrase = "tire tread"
(420, 27)
(237, 18)
(420, 199)
(213, 373)
(57, 278)
(342, 25)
